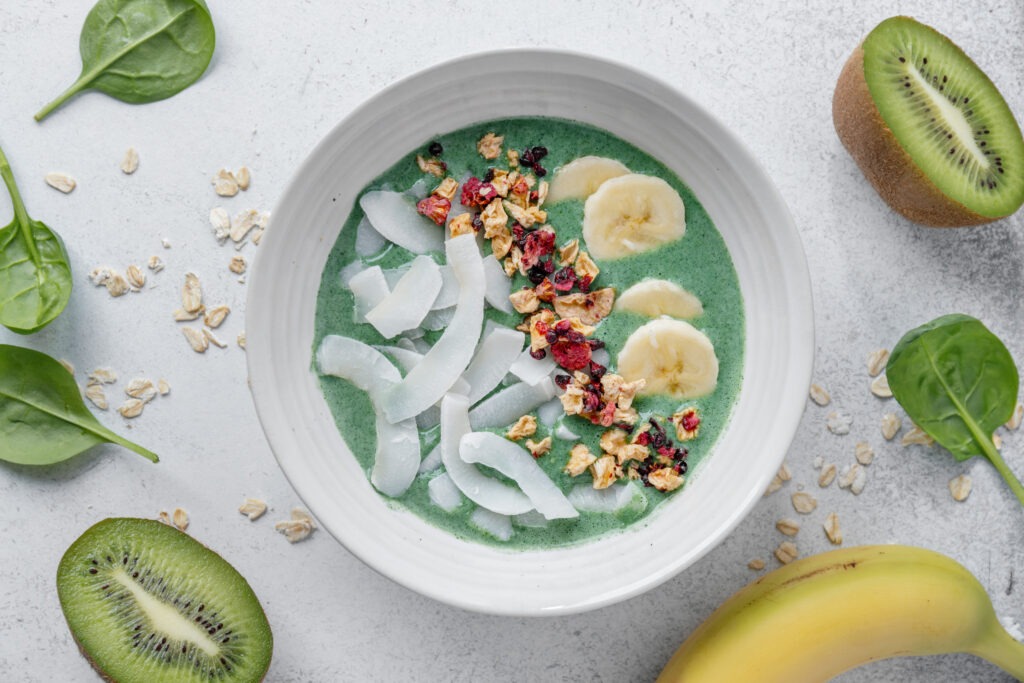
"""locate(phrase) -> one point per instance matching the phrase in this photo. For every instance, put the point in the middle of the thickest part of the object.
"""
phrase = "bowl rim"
(790, 406)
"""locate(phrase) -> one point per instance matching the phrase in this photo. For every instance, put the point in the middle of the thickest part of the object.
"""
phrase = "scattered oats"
(916, 435)
(130, 163)
(192, 294)
(183, 316)
(1018, 414)
(215, 316)
(224, 183)
(827, 476)
(243, 177)
(155, 264)
(880, 387)
(61, 181)
(136, 278)
(786, 552)
(877, 360)
(67, 365)
(237, 265)
(819, 395)
(838, 423)
(213, 340)
(864, 453)
(804, 503)
(253, 508)
(180, 519)
(757, 564)
(132, 408)
(196, 339)
(165, 243)
(997, 441)
(164, 517)
(241, 339)
(489, 146)
(95, 394)
(141, 389)
(784, 474)
(241, 280)
(891, 423)
(242, 223)
(117, 285)
(99, 276)
(853, 477)
(298, 528)
(788, 527)
(818, 462)
(102, 376)
(163, 387)
(960, 487)
(832, 530)
(221, 223)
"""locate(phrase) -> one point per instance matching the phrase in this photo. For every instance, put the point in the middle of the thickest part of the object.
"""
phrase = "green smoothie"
(699, 262)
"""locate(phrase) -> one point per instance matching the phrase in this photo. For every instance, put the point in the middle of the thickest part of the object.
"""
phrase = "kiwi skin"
(884, 162)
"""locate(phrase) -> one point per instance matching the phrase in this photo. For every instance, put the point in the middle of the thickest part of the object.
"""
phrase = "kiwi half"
(148, 603)
(928, 128)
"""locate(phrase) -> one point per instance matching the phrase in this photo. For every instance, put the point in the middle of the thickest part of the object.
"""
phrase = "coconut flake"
(397, 458)
(449, 294)
(410, 301)
(444, 493)
(586, 498)
(438, 320)
(368, 240)
(530, 369)
(515, 462)
(497, 525)
(530, 520)
(498, 285)
(406, 359)
(548, 412)
(349, 271)
(478, 487)
(419, 189)
(394, 216)
(566, 434)
(369, 288)
(508, 405)
(444, 363)
(432, 461)
(492, 361)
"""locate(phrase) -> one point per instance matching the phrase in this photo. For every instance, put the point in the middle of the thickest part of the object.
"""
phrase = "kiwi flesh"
(148, 603)
(928, 128)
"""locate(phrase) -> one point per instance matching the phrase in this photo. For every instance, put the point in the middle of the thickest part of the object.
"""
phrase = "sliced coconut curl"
(444, 493)
(532, 370)
(410, 301)
(499, 285)
(397, 459)
(515, 462)
(497, 525)
(449, 293)
(586, 498)
(394, 216)
(485, 491)
(492, 361)
(368, 288)
(442, 366)
(509, 404)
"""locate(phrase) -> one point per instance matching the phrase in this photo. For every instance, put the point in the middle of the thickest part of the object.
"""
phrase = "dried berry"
(526, 157)
(571, 356)
(691, 421)
(539, 153)
(435, 149)
(478, 223)
(596, 371)
(585, 282)
(564, 279)
(538, 354)
(471, 197)
(562, 381)
(489, 176)
(435, 207)
(536, 245)
(595, 343)
(540, 170)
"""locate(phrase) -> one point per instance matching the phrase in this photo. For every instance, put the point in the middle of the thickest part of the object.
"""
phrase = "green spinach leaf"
(958, 382)
(43, 419)
(35, 277)
(142, 50)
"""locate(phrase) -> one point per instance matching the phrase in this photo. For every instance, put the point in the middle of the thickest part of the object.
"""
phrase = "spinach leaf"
(35, 277)
(43, 419)
(142, 50)
(958, 382)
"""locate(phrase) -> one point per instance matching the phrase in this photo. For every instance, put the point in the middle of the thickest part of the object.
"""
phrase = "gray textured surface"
(284, 73)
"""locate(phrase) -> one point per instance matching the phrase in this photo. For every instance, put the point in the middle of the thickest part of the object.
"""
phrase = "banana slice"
(581, 177)
(631, 214)
(674, 357)
(655, 298)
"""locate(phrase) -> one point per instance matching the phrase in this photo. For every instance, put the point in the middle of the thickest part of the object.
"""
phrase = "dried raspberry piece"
(537, 245)
(487, 192)
(571, 356)
(470, 198)
(435, 207)
(690, 421)
(564, 279)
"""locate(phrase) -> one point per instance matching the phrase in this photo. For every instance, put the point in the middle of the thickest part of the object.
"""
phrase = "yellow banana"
(811, 620)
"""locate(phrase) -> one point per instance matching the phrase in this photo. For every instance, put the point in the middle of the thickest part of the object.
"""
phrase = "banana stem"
(1003, 650)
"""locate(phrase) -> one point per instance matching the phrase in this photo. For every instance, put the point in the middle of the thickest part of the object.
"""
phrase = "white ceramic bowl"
(745, 207)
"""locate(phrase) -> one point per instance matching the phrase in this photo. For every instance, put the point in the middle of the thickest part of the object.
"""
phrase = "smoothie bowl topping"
(528, 379)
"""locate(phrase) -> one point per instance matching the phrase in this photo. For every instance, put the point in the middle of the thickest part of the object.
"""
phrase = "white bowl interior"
(746, 209)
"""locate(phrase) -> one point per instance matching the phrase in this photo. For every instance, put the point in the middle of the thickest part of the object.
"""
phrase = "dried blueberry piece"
(435, 149)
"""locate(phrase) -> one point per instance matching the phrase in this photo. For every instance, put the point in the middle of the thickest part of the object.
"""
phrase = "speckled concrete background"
(284, 73)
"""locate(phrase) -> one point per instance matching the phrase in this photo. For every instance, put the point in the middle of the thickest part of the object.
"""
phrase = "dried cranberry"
(435, 207)
(526, 157)
(478, 223)
(489, 176)
(643, 438)
(538, 354)
(667, 451)
(595, 343)
(563, 326)
(536, 274)
(591, 400)
(519, 235)
(585, 282)
(534, 196)
(435, 149)
(540, 170)
(539, 152)
(551, 336)
(626, 427)
(562, 381)
(571, 356)
(690, 421)
(597, 371)
(681, 467)
(564, 279)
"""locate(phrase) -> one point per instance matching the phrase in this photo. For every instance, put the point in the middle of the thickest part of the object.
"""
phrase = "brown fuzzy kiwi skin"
(882, 159)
